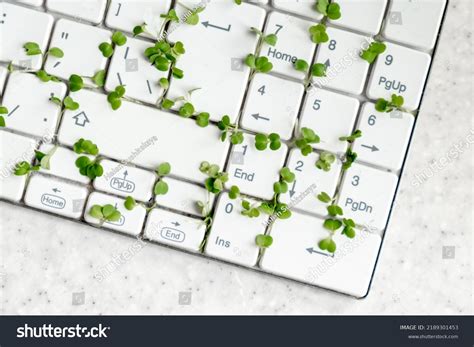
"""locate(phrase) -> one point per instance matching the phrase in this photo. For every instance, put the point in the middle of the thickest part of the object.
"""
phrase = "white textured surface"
(45, 260)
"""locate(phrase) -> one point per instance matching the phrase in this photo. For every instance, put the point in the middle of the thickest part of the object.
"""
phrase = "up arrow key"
(81, 119)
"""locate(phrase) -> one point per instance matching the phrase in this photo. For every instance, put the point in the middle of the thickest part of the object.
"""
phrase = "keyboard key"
(295, 254)
(124, 15)
(330, 115)
(309, 182)
(63, 163)
(346, 71)
(414, 23)
(31, 111)
(232, 237)
(15, 34)
(125, 180)
(183, 196)
(131, 222)
(56, 196)
(224, 35)
(301, 7)
(80, 44)
(294, 43)
(385, 137)
(272, 105)
(130, 68)
(361, 15)
(3, 78)
(88, 10)
(254, 171)
(19, 149)
(175, 230)
(399, 70)
(367, 195)
(143, 135)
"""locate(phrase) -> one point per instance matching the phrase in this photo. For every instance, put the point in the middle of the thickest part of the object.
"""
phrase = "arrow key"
(385, 137)
(272, 105)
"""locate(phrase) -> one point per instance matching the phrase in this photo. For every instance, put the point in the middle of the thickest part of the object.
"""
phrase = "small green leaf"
(56, 52)
(202, 119)
(324, 197)
(130, 203)
(99, 78)
(119, 38)
(70, 104)
(263, 241)
(96, 212)
(301, 65)
(271, 39)
(32, 48)
(234, 192)
(163, 169)
(332, 224)
(106, 49)
(76, 83)
(161, 188)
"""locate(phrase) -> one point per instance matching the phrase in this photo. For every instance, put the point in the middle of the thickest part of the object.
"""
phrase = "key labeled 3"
(272, 105)
(385, 137)
(367, 195)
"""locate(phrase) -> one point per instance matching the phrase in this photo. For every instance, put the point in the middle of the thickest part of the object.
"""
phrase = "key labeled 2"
(272, 105)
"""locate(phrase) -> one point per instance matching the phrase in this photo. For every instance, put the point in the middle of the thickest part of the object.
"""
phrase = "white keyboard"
(139, 136)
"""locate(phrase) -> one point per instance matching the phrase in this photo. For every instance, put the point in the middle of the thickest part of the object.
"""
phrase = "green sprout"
(373, 51)
(115, 97)
(118, 39)
(396, 103)
(333, 223)
(318, 33)
(262, 142)
(254, 61)
(349, 158)
(192, 17)
(164, 56)
(263, 241)
(88, 167)
(68, 103)
(3, 110)
(76, 83)
(317, 70)
(106, 213)
(330, 10)
(325, 161)
(161, 187)
(33, 48)
(351, 138)
(215, 182)
(305, 139)
(231, 131)
(41, 161)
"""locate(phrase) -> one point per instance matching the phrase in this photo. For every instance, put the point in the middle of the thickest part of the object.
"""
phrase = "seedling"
(68, 103)
(115, 98)
(325, 161)
(88, 167)
(349, 158)
(33, 48)
(76, 83)
(317, 70)
(254, 61)
(105, 213)
(263, 241)
(334, 222)
(164, 56)
(118, 39)
(318, 33)
(234, 192)
(373, 51)
(262, 142)
(161, 187)
(396, 103)
(41, 161)
(305, 139)
(351, 138)
(192, 17)
(214, 183)
(3, 110)
(231, 131)
(329, 10)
